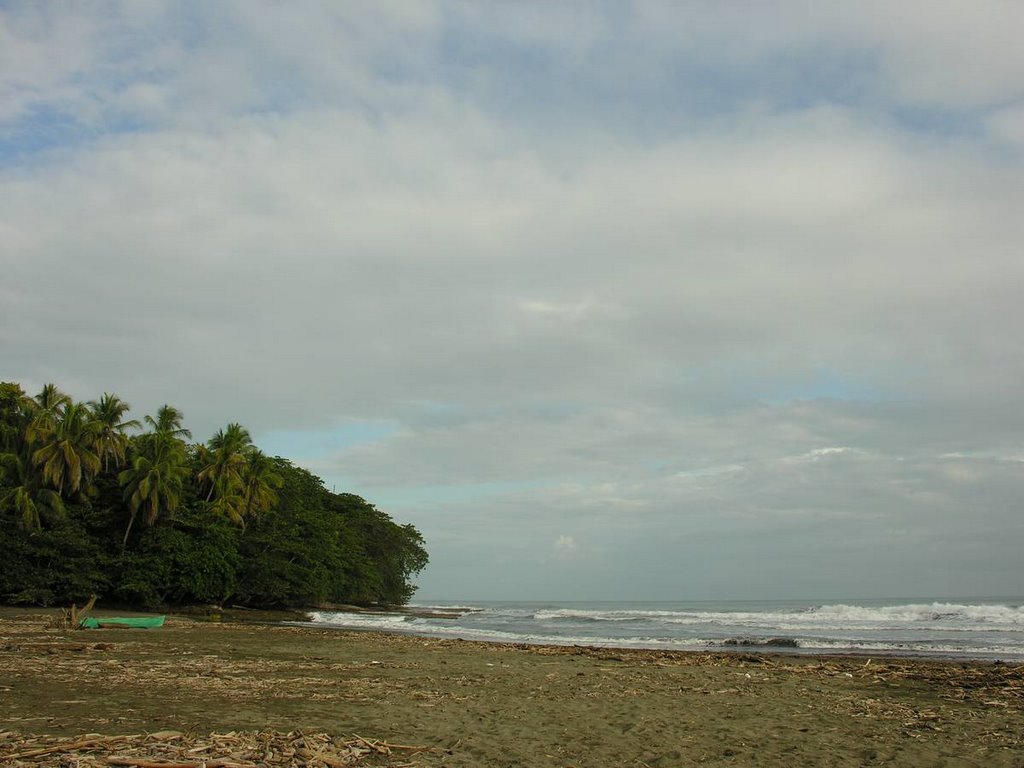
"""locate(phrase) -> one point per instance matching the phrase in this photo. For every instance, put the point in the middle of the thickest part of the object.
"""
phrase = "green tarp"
(127, 622)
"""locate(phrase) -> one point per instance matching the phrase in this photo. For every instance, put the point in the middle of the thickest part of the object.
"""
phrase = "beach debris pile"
(174, 749)
(988, 683)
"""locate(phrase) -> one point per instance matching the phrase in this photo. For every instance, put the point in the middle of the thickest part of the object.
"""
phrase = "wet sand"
(479, 704)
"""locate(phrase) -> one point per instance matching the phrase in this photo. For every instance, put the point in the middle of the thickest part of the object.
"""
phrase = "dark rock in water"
(757, 642)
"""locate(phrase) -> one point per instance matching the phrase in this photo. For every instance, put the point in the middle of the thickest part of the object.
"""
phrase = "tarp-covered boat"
(122, 622)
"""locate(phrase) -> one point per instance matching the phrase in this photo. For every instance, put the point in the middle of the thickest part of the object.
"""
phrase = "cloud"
(565, 546)
(824, 454)
(690, 279)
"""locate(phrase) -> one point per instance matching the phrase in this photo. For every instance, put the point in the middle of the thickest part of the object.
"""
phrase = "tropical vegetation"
(93, 502)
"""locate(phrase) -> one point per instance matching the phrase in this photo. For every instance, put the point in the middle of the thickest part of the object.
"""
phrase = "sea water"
(978, 628)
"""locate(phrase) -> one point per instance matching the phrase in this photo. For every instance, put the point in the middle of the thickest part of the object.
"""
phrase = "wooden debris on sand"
(989, 683)
(71, 618)
(174, 749)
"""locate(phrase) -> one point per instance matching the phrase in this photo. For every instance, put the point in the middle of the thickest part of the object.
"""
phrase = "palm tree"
(111, 440)
(226, 460)
(20, 485)
(252, 493)
(259, 482)
(168, 420)
(24, 494)
(66, 457)
(50, 398)
(46, 410)
(16, 409)
(231, 504)
(154, 481)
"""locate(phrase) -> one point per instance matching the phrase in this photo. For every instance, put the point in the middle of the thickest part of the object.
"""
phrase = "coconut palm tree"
(225, 460)
(111, 441)
(153, 483)
(230, 504)
(21, 488)
(47, 408)
(259, 483)
(66, 456)
(16, 409)
(50, 398)
(168, 420)
(23, 493)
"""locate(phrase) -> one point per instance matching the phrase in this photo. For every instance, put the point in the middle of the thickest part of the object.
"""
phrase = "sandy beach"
(475, 704)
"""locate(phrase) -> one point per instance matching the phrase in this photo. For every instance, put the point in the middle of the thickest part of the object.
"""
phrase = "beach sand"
(479, 704)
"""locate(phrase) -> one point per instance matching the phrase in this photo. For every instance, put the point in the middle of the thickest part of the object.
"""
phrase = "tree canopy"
(92, 502)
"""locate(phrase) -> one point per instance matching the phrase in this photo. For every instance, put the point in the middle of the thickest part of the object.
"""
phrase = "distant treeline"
(92, 502)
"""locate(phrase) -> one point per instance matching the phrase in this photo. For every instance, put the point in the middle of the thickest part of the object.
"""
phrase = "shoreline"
(772, 644)
(484, 704)
(853, 654)
(303, 618)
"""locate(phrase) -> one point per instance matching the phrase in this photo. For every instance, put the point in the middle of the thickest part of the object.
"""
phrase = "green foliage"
(317, 547)
(24, 494)
(240, 480)
(259, 484)
(15, 414)
(185, 563)
(111, 441)
(290, 555)
(168, 421)
(220, 522)
(57, 565)
(392, 554)
(66, 456)
(154, 482)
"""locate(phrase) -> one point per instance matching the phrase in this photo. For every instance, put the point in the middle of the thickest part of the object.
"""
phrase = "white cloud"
(820, 454)
(572, 274)
(565, 545)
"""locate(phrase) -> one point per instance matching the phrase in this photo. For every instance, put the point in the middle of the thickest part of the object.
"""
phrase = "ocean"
(975, 628)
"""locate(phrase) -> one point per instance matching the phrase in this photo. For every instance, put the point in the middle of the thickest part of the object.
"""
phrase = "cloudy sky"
(663, 300)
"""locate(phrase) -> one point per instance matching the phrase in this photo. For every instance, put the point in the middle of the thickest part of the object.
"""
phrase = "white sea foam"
(398, 622)
(837, 616)
(362, 620)
(945, 649)
(952, 628)
(1003, 615)
(445, 608)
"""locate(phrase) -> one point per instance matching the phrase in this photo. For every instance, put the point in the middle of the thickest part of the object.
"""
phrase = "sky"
(611, 300)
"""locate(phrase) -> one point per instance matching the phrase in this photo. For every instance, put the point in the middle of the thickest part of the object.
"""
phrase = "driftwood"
(71, 618)
(142, 763)
(173, 749)
(72, 746)
(871, 692)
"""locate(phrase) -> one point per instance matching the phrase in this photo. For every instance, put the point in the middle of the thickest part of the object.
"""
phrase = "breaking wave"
(960, 629)
(837, 616)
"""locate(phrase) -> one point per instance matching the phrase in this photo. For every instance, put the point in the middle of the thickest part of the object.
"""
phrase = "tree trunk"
(128, 530)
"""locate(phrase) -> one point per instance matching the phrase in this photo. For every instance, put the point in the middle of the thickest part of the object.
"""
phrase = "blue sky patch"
(308, 444)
